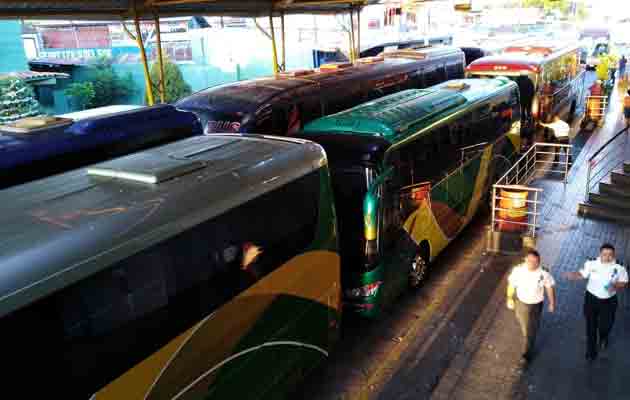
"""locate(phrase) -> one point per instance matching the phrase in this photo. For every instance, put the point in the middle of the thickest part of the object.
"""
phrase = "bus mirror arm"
(381, 179)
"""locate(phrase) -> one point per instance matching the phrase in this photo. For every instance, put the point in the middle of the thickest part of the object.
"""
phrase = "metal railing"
(607, 158)
(536, 160)
(540, 158)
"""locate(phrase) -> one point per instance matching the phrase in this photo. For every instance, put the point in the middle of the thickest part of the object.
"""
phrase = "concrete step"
(618, 203)
(590, 210)
(618, 177)
(626, 167)
(611, 189)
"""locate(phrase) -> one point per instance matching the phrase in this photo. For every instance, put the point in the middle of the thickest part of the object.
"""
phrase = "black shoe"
(603, 344)
(591, 356)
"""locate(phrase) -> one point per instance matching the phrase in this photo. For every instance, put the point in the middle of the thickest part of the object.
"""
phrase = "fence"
(541, 158)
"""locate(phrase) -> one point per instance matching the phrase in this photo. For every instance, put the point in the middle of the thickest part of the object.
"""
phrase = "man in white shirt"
(605, 279)
(529, 282)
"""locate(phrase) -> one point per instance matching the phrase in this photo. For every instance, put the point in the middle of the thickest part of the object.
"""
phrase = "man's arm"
(551, 296)
(573, 276)
(510, 296)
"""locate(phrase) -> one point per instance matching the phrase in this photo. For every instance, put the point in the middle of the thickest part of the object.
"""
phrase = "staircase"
(610, 199)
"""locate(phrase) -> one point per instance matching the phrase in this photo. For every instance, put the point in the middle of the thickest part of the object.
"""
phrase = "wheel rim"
(418, 270)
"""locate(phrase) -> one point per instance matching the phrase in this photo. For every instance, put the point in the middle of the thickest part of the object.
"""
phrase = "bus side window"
(441, 70)
(432, 75)
(279, 119)
(482, 123)
(415, 80)
(340, 98)
(310, 109)
(264, 120)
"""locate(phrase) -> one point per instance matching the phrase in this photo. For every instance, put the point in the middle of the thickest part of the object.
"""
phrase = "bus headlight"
(364, 291)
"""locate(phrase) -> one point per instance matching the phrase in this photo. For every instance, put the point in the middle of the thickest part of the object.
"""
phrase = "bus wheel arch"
(420, 264)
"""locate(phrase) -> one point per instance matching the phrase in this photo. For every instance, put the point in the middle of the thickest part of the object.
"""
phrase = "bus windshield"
(350, 185)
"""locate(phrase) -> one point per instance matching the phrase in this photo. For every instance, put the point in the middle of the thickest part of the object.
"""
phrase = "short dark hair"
(607, 246)
(535, 253)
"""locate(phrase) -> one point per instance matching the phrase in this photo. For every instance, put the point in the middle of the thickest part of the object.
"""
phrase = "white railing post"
(566, 165)
(535, 214)
(494, 202)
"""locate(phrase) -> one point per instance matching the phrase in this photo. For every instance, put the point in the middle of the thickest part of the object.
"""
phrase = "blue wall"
(197, 76)
(13, 55)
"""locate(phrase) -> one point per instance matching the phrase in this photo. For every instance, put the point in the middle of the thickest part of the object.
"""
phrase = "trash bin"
(512, 210)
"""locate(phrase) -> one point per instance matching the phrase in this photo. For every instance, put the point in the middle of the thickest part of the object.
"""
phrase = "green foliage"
(81, 94)
(176, 86)
(109, 87)
(104, 88)
(17, 100)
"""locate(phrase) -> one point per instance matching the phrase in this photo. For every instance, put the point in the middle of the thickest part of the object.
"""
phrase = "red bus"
(549, 80)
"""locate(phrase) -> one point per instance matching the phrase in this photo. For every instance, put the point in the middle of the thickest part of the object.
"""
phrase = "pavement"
(489, 368)
(455, 339)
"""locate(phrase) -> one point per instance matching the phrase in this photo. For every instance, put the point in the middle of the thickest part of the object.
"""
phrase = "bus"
(37, 147)
(472, 53)
(137, 279)
(99, 111)
(549, 79)
(375, 50)
(284, 103)
(409, 171)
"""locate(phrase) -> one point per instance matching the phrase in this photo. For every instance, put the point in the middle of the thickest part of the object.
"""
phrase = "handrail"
(609, 141)
(590, 162)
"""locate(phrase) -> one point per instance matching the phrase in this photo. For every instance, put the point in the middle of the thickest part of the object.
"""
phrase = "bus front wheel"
(418, 273)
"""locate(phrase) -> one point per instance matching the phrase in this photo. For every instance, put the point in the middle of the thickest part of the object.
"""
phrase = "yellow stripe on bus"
(480, 182)
(313, 275)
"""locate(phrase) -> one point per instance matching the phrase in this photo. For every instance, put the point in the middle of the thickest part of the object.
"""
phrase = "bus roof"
(57, 231)
(519, 58)
(391, 117)
(247, 96)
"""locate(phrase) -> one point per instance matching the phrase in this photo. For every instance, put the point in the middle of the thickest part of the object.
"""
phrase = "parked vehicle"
(205, 268)
(44, 146)
(285, 103)
(409, 171)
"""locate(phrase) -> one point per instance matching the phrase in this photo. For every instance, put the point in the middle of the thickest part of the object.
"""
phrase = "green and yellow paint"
(259, 344)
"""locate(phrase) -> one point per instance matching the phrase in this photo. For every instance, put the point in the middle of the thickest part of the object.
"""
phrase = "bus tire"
(419, 266)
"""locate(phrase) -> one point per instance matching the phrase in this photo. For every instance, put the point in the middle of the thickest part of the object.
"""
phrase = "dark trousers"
(600, 317)
(528, 316)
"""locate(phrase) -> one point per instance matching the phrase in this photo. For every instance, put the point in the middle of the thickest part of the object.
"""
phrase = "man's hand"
(573, 276)
(510, 304)
(551, 307)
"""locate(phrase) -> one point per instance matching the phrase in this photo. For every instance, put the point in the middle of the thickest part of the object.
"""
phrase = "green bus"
(203, 269)
(409, 171)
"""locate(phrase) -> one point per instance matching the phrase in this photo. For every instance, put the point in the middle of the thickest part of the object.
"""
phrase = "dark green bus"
(409, 171)
(203, 269)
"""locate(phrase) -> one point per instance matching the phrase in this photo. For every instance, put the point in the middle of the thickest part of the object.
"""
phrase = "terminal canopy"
(129, 9)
